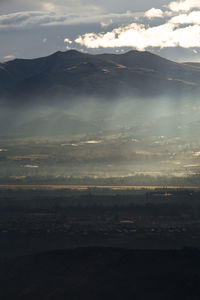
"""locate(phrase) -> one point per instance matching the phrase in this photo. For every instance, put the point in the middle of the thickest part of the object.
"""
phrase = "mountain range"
(73, 74)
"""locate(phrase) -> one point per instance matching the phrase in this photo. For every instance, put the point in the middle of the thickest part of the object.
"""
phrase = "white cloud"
(141, 37)
(9, 57)
(184, 5)
(133, 35)
(182, 30)
(188, 37)
(106, 24)
(191, 18)
(180, 24)
(154, 13)
(68, 48)
(66, 40)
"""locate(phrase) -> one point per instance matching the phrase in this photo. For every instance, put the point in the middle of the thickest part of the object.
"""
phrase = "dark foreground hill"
(73, 74)
(102, 273)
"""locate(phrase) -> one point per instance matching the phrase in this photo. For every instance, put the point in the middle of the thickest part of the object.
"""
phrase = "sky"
(30, 29)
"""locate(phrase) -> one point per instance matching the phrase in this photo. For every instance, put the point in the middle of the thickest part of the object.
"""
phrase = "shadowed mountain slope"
(73, 73)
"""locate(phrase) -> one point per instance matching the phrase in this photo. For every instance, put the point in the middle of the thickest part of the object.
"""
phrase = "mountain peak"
(74, 52)
(78, 73)
(68, 52)
(63, 54)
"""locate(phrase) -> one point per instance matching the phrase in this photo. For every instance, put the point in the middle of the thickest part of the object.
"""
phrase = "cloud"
(71, 6)
(134, 35)
(154, 13)
(191, 18)
(184, 5)
(104, 20)
(24, 19)
(106, 24)
(177, 29)
(32, 19)
(141, 37)
(177, 24)
(66, 40)
(9, 57)
(188, 37)
(62, 6)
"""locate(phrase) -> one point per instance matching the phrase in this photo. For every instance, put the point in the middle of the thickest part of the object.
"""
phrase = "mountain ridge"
(74, 74)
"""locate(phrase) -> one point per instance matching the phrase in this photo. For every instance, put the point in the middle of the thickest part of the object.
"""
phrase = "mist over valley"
(76, 115)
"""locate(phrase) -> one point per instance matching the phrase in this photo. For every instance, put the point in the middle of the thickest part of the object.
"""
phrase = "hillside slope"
(72, 73)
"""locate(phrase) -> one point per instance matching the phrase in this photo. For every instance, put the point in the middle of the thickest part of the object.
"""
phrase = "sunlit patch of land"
(31, 166)
(88, 187)
(92, 142)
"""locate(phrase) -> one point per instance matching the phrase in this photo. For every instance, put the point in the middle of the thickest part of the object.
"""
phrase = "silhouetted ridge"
(73, 73)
